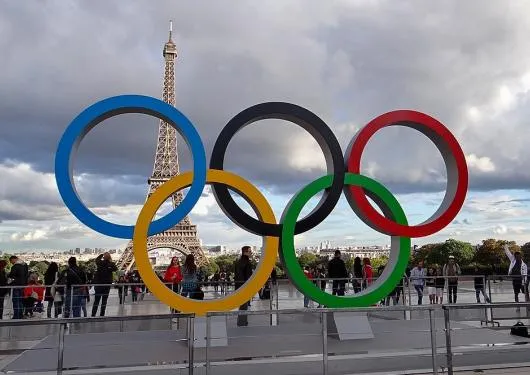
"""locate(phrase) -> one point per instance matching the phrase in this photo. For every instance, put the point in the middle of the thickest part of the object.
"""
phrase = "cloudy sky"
(465, 63)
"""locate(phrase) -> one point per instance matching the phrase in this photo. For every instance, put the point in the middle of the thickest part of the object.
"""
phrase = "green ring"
(399, 250)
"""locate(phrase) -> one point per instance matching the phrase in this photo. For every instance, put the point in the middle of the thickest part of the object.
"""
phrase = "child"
(440, 285)
(431, 286)
(479, 287)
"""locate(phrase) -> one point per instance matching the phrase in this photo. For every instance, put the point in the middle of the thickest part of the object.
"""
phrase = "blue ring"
(101, 111)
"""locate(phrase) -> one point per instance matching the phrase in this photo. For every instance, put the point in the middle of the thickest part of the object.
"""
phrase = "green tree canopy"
(307, 259)
(437, 253)
(525, 250)
(225, 262)
(491, 251)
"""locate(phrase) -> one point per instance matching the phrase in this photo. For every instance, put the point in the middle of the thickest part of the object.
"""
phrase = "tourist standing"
(417, 275)
(50, 277)
(368, 273)
(309, 275)
(451, 271)
(518, 271)
(74, 278)
(18, 275)
(4, 290)
(103, 279)
(478, 282)
(430, 284)
(338, 273)
(439, 282)
(243, 272)
(189, 277)
(173, 274)
(357, 275)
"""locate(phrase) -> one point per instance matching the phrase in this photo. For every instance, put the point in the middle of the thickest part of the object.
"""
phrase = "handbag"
(519, 329)
(198, 294)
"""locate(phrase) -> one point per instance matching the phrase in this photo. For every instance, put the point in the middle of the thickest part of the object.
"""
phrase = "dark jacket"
(73, 276)
(242, 271)
(104, 272)
(478, 282)
(3, 282)
(337, 269)
(19, 273)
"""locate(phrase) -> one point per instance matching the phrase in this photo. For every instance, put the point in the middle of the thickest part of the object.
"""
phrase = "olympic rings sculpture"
(342, 177)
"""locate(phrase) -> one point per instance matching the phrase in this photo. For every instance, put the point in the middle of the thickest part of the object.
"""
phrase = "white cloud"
(500, 229)
(481, 164)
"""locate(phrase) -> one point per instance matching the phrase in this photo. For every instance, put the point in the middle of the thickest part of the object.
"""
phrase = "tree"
(211, 268)
(226, 262)
(307, 259)
(437, 253)
(491, 251)
(525, 250)
(38, 267)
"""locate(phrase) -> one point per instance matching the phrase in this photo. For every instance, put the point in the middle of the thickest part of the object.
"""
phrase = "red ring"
(418, 119)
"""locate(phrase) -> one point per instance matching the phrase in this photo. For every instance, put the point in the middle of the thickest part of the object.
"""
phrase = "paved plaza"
(287, 344)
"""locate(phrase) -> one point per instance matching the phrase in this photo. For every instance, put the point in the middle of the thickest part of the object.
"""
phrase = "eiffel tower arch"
(182, 237)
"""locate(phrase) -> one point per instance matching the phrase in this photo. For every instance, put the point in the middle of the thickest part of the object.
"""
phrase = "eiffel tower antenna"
(182, 237)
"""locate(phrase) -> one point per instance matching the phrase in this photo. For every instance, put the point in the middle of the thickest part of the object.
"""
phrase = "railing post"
(271, 295)
(448, 341)
(191, 344)
(324, 319)
(208, 335)
(277, 292)
(434, 351)
(60, 350)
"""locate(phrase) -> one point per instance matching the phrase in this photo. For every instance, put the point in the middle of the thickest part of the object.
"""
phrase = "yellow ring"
(246, 292)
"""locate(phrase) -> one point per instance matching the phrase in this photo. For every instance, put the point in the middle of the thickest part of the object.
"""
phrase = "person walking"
(451, 271)
(18, 275)
(243, 272)
(519, 273)
(103, 279)
(338, 273)
(417, 275)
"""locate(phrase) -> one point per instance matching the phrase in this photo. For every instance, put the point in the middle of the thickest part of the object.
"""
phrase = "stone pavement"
(294, 347)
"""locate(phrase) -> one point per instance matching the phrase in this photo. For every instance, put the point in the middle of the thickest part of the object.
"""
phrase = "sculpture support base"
(349, 326)
(218, 334)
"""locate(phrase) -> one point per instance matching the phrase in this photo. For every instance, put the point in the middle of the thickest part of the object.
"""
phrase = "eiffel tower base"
(218, 333)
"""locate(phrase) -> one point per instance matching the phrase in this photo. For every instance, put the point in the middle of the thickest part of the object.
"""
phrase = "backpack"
(519, 329)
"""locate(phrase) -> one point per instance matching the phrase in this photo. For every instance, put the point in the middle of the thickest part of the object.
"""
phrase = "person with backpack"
(18, 277)
(451, 271)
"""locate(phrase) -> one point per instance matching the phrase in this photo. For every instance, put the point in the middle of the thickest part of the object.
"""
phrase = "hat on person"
(451, 257)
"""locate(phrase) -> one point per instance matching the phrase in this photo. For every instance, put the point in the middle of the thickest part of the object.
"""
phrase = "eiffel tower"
(183, 236)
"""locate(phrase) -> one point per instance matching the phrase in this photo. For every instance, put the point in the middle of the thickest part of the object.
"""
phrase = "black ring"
(311, 123)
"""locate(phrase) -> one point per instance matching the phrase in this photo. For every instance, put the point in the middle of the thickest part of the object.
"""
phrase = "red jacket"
(368, 273)
(173, 275)
(28, 291)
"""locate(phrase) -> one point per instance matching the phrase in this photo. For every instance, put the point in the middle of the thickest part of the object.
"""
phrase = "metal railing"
(65, 324)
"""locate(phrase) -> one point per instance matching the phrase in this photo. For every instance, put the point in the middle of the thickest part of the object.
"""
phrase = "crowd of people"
(67, 292)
